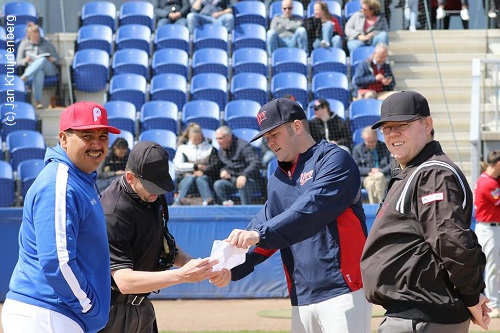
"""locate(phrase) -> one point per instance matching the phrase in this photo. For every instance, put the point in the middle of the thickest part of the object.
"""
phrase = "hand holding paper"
(228, 255)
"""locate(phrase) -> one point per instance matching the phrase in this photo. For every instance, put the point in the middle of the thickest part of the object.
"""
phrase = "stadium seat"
(364, 112)
(172, 36)
(169, 196)
(27, 171)
(169, 87)
(95, 36)
(209, 135)
(294, 84)
(137, 12)
(209, 86)
(249, 12)
(335, 105)
(7, 184)
(250, 60)
(122, 115)
(99, 12)
(252, 86)
(134, 36)
(165, 138)
(17, 116)
(131, 61)
(24, 145)
(172, 60)
(210, 35)
(275, 9)
(248, 35)
(210, 60)
(247, 134)
(12, 88)
(289, 59)
(23, 11)
(3, 38)
(205, 113)
(124, 134)
(332, 85)
(358, 55)
(334, 8)
(350, 8)
(328, 60)
(128, 87)
(241, 114)
(90, 70)
(159, 115)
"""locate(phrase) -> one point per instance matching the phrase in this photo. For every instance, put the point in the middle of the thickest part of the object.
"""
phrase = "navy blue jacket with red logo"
(315, 217)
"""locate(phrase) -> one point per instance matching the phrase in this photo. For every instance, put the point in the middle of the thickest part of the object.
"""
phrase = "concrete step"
(442, 58)
(426, 71)
(448, 83)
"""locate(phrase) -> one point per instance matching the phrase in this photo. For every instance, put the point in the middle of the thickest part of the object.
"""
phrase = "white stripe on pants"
(489, 238)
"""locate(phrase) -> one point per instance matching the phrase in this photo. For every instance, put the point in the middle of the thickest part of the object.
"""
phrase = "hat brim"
(110, 129)
(261, 133)
(159, 187)
(398, 117)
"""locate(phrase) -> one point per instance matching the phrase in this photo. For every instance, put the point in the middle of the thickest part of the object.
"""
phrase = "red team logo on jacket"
(261, 117)
(304, 177)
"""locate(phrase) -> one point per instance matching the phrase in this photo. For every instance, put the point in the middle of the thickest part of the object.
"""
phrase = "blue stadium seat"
(205, 113)
(252, 86)
(332, 85)
(250, 60)
(250, 12)
(364, 112)
(90, 70)
(124, 134)
(350, 8)
(247, 134)
(122, 115)
(165, 138)
(95, 36)
(248, 35)
(17, 116)
(275, 9)
(335, 105)
(170, 60)
(128, 87)
(209, 86)
(7, 184)
(131, 61)
(23, 11)
(12, 88)
(209, 135)
(159, 115)
(210, 60)
(328, 60)
(294, 84)
(169, 87)
(24, 145)
(27, 171)
(172, 36)
(241, 114)
(358, 55)
(334, 8)
(210, 35)
(289, 59)
(137, 12)
(99, 12)
(134, 36)
(3, 38)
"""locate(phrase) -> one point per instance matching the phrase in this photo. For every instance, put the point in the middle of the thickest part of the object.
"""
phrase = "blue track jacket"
(63, 245)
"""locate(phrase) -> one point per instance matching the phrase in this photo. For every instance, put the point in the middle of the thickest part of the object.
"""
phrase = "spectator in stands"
(373, 77)
(464, 12)
(114, 164)
(215, 11)
(374, 162)
(171, 11)
(367, 27)
(411, 14)
(328, 125)
(240, 168)
(323, 29)
(196, 163)
(286, 30)
(39, 57)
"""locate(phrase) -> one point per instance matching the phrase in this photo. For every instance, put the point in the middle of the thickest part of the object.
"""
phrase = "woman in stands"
(329, 32)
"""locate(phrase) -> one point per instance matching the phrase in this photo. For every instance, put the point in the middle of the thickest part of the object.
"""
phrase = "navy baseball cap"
(276, 113)
(403, 106)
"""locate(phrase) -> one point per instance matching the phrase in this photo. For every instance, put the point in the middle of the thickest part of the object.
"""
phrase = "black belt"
(130, 299)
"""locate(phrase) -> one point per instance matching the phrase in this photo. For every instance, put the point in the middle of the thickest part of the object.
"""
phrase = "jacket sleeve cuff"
(470, 300)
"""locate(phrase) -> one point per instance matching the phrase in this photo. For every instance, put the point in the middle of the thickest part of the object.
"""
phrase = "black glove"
(167, 257)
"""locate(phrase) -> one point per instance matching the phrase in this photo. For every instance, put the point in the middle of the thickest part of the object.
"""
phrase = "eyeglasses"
(399, 127)
(317, 107)
(287, 8)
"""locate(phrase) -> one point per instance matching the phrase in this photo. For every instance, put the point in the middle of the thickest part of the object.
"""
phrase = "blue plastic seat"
(95, 36)
(128, 87)
(7, 184)
(134, 36)
(332, 85)
(334, 8)
(121, 114)
(335, 105)
(24, 145)
(210, 35)
(328, 60)
(169, 87)
(289, 59)
(3, 38)
(248, 35)
(358, 55)
(27, 171)
(209, 86)
(350, 8)
(17, 116)
(247, 134)
(275, 9)
(90, 70)
(205, 113)
(241, 114)
(99, 12)
(137, 12)
(209, 135)
(210, 60)
(131, 61)
(250, 12)
(165, 138)
(159, 115)
(128, 136)
(172, 36)
(252, 86)
(294, 84)
(23, 11)
(364, 112)
(250, 60)
(12, 88)
(170, 60)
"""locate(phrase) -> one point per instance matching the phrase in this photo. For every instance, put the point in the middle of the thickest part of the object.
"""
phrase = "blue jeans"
(380, 37)
(225, 187)
(163, 21)
(195, 20)
(274, 41)
(36, 71)
(202, 183)
(326, 34)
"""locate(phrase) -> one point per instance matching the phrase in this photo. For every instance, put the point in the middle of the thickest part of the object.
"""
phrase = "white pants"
(349, 313)
(26, 318)
(489, 238)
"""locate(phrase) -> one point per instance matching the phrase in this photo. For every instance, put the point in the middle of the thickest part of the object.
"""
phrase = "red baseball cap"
(85, 115)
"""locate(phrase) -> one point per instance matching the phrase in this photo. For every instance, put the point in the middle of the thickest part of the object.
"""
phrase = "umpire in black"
(141, 249)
